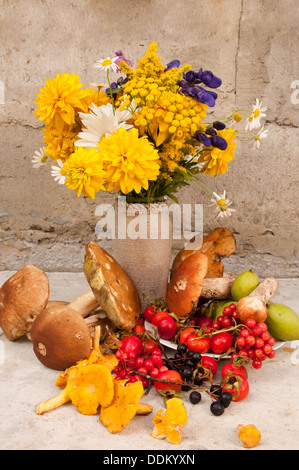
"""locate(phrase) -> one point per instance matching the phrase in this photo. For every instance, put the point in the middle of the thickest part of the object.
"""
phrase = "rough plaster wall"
(251, 44)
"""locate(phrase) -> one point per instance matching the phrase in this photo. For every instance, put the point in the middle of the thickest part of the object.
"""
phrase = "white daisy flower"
(39, 158)
(262, 134)
(254, 119)
(55, 172)
(101, 121)
(107, 64)
(222, 205)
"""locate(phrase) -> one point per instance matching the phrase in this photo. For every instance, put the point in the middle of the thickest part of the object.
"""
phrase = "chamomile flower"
(262, 134)
(222, 205)
(101, 121)
(254, 120)
(107, 64)
(56, 172)
(39, 158)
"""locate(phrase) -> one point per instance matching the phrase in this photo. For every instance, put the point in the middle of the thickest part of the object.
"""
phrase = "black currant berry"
(217, 408)
(225, 398)
(216, 389)
(194, 397)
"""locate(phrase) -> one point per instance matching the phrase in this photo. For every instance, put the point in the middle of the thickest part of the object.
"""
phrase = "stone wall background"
(251, 44)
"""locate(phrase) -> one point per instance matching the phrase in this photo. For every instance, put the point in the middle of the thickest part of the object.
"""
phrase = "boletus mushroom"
(218, 244)
(61, 336)
(112, 286)
(186, 285)
(254, 305)
(22, 298)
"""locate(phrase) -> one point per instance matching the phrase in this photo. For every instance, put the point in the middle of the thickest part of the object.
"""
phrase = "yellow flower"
(60, 144)
(130, 161)
(84, 172)
(216, 160)
(60, 100)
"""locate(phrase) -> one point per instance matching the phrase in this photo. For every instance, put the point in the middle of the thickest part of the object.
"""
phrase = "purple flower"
(219, 125)
(219, 142)
(173, 64)
(203, 138)
(119, 57)
(209, 79)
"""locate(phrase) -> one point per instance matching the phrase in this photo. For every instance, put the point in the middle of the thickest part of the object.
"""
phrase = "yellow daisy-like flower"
(60, 100)
(84, 172)
(59, 144)
(215, 160)
(130, 161)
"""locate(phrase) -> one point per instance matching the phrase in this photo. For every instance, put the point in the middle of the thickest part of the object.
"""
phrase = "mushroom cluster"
(61, 332)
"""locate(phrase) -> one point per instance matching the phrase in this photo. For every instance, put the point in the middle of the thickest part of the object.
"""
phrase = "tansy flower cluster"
(145, 135)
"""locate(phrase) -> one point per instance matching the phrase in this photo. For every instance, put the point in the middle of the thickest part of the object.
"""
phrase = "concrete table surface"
(272, 404)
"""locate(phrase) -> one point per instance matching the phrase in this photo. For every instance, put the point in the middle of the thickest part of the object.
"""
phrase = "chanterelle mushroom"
(22, 298)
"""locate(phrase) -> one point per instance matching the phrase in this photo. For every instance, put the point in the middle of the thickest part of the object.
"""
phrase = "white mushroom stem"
(85, 303)
(218, 287)
(265, 290)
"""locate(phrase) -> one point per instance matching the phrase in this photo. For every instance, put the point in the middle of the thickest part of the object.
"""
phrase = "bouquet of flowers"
(143, 136)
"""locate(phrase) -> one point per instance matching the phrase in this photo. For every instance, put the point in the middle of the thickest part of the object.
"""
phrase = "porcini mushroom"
(22, 298)
(60, 335)
(186, 285)
(218, 244)
(112, 287)
(254, 305)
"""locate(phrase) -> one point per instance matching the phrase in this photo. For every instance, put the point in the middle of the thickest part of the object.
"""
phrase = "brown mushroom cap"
(218, 244)
(186, 284)
(112, 287)
(60, 337)
(22, 298)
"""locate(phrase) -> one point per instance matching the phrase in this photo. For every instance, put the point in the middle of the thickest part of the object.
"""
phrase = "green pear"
(244, 284)
(282, 322)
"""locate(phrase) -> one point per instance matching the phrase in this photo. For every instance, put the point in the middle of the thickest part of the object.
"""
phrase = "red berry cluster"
(136, 362)
(255, 342)
(228, 318)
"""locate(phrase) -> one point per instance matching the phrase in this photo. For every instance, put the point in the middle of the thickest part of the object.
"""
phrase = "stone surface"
(272, 404)
(251, 45)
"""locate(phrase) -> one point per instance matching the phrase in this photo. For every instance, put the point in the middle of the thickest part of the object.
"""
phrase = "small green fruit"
(282, 322)
(244, 284)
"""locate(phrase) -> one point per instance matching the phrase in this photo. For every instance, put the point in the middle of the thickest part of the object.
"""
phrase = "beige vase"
(142, 245)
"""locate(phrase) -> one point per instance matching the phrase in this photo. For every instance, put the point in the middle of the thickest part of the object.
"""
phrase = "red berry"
(142, 370)
(259, 342)
(271, 341)
(267, 349)
(139, 362)
(265, 335)
(256, 330)
(249, 340)
(154, 372)
(149, 313)
(163, 369)
(271, 354)
(157, 360)
(241, 342)
(263, 326)
(244, 332)
(226, 322)
(256, 364)
(250, 323)
(157, 351)
(148, 364)
(259, 353)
